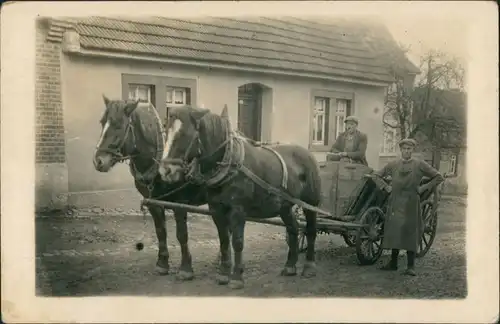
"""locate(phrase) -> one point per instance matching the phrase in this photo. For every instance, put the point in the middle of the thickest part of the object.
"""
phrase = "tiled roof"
(289, 44)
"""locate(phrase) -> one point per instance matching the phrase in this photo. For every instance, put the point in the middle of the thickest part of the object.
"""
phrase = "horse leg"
(310, 265)
(186, 269)
(292, 230)
(221, 222)
(237, 221)
(158, 213)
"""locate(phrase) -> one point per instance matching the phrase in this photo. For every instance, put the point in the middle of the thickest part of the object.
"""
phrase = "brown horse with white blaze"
(133, 131)
(239, 178)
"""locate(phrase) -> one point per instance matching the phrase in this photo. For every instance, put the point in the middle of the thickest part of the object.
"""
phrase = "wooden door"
(249, 112)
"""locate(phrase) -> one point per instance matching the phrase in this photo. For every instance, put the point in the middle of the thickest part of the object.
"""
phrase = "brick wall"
(50, 146)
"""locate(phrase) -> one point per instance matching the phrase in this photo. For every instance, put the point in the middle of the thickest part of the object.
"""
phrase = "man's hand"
(332, 156)
(388, 189)
(343, 154)
(421, 189)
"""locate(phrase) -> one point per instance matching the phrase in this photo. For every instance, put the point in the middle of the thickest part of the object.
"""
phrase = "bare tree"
(422, 108)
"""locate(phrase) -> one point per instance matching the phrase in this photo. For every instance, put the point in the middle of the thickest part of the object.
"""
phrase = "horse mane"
(147, 121)
(216, 129)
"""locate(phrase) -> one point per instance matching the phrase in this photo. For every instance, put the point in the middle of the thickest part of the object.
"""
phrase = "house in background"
(282, 79)
(448, 151)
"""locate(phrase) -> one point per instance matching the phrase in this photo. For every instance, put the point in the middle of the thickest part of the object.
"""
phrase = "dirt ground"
(96, 256)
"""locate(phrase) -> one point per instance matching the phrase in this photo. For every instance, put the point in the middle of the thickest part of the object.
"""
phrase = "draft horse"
(242, 180)
(134, 131)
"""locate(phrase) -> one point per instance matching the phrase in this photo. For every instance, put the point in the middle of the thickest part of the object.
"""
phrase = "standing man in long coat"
(350, 144)
(404, 226)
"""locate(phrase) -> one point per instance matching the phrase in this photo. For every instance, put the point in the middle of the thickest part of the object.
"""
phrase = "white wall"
(86, 79)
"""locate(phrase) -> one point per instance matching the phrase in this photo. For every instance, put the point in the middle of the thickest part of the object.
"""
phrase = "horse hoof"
(162, 271)
(185, 275)
(236, 284)
(222, 279)
(309, 270)
(289, 271)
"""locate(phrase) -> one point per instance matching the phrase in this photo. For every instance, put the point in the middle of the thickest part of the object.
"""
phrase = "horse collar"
(222, 173)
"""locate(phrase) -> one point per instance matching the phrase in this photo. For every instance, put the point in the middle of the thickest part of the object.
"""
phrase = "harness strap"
(284, 181)
(224, 173)
(279, 192)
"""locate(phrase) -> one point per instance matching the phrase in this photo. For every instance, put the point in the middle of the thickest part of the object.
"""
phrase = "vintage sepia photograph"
(251, 155)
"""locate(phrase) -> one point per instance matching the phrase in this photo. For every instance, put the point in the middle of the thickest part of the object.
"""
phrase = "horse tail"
(312, 192)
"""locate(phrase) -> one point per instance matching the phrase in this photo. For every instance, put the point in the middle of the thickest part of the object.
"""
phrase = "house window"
(452, 167)
(143, 92)
(340, 115)
(389, 143)
(160, 91)
(392, 89)
(320, 115)
(448, 163)
(329, 110)
(177, 96)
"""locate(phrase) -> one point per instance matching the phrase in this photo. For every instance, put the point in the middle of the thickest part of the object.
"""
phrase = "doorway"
(250, 110)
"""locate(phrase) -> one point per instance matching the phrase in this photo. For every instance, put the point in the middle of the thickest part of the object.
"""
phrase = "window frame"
(324, 124)
(448, 159)
(160, 84)
(174, 89)
(338, 123)
(383, 152)
(330, 127)
(150, 87)
(453, 161)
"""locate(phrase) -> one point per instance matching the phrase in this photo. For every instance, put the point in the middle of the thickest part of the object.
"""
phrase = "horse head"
(127, 133)
(192, 133)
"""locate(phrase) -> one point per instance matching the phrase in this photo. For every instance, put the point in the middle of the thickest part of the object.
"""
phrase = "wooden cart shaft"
(322, 222)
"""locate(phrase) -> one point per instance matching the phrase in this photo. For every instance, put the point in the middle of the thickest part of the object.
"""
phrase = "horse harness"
(230, 166)
(145, 178)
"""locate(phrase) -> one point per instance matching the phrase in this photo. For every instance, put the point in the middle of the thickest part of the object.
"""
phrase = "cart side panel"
(328, 172)
(350, 176)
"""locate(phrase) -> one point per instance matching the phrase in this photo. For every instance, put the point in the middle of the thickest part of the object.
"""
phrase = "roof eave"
(225, 66)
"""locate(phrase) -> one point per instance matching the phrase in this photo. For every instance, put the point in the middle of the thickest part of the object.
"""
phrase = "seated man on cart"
(350, 144)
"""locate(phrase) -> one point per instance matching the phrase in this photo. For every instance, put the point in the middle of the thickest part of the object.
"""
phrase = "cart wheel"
(350, 238)
(429, 217)
(302, 241)
(369, 237)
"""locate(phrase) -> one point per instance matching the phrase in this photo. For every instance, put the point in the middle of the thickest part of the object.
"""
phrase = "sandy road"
(97, 256)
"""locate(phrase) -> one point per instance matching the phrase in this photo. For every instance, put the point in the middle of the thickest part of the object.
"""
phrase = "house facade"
(283, 80)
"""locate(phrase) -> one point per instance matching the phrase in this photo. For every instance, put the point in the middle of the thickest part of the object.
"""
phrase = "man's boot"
(392, 265)
(410, 270)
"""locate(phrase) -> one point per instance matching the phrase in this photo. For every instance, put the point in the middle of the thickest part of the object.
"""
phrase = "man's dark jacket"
(360, 142)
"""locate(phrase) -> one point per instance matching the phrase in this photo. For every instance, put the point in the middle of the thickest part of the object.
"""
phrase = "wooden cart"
(354, 205)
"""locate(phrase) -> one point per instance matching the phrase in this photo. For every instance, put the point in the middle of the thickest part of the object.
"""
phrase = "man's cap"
(353, 119)
(408, 141)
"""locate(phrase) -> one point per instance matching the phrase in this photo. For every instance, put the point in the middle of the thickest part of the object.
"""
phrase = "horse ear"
(131, 106)
(224, 113)
(106, 100)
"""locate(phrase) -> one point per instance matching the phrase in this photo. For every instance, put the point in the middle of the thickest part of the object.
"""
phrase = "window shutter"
(348, 108)
(188, 96)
